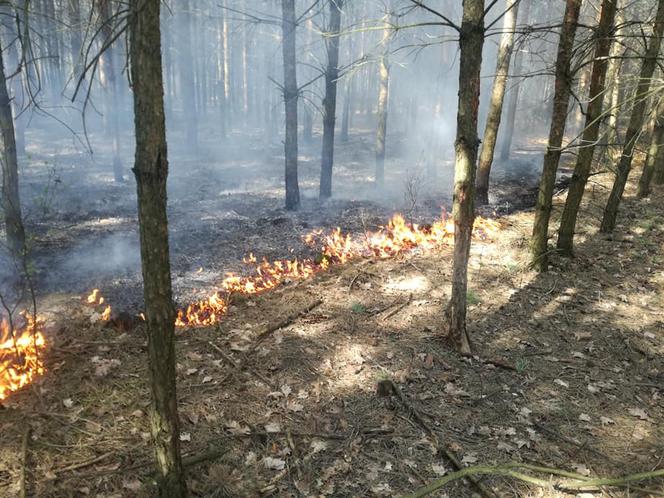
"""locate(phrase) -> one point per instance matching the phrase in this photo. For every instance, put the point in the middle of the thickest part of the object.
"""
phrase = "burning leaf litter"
(20, 361)
(20, 353)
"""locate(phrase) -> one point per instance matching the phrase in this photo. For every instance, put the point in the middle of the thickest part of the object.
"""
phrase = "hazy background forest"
(382, 248)
(225, 124)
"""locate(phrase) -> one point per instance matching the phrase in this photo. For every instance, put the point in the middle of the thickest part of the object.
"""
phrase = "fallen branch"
(235, 365)
(83, 464)
(279, 325)
(582, 446)
(571, 482)
(242, 364)
(398, 308)
(449, 454)
(211, 454)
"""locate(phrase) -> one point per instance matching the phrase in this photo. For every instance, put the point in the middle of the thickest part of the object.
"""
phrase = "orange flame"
(20, 361)
(334, 248)
(96, 299)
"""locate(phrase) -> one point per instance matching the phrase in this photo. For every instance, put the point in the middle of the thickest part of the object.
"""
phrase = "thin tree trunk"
(187, 81)
(613, 78)
(656, 143)
(508, 134)
(658, 174)
(306, 111)
(635, 122)
(227, 73)
(108, 67)
(290, 99)
(221, 60)
(330, 101)
(11, 203)
(591, 131)
(76, 37)
(245, 72)
(466, 144)
(563, 83)
(345, 117)
(496, 102)
(383, 98)
(151, 171)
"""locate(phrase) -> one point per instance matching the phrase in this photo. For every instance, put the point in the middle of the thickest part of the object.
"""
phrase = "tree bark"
(187, 80)
(508, 134)
(11, 202)
(577, 186)
(290, 99)
(76, 36)
(635, 122)
(345, 118)
(613, 80)
(654, 151)
(563, 84)
(151, 171)
(496, 102)
(466, 144)
(383, 98)
(658, 174)
(108, 69)
(330, 101)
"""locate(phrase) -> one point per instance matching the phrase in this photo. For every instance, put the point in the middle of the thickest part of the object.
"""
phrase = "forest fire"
(20, 360)
(96, 299)
(334, 248)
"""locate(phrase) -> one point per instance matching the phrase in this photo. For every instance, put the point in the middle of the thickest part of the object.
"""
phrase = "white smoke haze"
(225, 131)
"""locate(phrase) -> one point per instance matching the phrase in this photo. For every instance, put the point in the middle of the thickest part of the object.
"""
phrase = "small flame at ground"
(20, 360)
(96, 299)
(334, 248)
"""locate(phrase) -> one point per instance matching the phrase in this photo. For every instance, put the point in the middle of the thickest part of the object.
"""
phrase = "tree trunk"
(187, 81)
(221, 89)
(76, 37)
(613, 79)
(290, 99)
(635, 122)
(245, 71)
(383, 97)
(563, 83)
(11, 203)
(510, 120)
(656, 143)
(496, 103)
(330, 101)
(151, 171)
(658, 174)
(227, 73)
(345, 117)
(584, 159)
(108, 70)
(466, 144)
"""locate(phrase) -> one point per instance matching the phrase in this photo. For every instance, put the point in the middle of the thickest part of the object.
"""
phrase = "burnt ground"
(568, 370)
(224, 202)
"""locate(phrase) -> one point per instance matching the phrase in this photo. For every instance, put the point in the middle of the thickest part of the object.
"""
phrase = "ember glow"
(20, 354)
(334, 248)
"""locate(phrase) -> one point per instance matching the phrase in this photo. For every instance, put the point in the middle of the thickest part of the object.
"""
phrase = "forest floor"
(568, 373)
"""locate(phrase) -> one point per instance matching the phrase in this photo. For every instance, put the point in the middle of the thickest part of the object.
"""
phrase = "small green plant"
(471, 297)
(521, 365)
(358, 308)
(512, 267)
